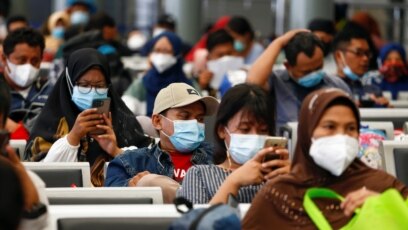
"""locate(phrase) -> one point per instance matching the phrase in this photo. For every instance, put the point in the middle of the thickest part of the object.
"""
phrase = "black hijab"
(60, 106)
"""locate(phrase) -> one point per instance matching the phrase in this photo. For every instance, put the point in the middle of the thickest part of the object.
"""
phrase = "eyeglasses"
(85, 89)
(360, 53)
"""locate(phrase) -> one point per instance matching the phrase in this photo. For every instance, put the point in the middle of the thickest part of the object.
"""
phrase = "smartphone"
(274, 142)
(4, 140)
(103, 107)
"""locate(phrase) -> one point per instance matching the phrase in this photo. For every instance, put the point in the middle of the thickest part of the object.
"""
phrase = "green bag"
(386, 211)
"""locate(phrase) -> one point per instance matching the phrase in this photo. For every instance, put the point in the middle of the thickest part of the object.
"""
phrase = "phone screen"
(4, 139)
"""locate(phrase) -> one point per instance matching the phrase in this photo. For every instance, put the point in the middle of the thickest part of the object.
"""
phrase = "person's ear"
(156, 121)
(338, 58)
(287, 65)
(221, 132)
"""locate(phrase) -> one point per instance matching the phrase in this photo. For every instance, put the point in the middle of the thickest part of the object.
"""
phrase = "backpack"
(217, 217)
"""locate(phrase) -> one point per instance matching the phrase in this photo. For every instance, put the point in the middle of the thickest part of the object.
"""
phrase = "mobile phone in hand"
(274, 142)
(103, 107)
(4, 140)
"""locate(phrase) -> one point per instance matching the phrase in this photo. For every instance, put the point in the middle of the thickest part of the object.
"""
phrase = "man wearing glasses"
(352, 54)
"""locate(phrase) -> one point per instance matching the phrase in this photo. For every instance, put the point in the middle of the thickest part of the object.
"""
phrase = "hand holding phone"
(103, 106)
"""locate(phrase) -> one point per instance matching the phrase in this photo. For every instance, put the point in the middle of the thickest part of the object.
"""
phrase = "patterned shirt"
(202, 182)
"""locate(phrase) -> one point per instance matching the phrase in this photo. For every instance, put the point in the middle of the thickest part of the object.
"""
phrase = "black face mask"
(327, 47)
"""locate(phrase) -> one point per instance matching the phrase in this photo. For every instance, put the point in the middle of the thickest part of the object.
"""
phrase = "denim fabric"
(125, 166)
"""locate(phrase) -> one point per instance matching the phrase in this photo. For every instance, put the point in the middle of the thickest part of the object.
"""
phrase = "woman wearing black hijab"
(61, 132)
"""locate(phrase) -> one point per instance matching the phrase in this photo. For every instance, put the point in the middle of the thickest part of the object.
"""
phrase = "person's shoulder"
(198, 171)
(278, 74)
(135, 154)
(336, 82)
(257, 46)
(206, 145)
(201, 168)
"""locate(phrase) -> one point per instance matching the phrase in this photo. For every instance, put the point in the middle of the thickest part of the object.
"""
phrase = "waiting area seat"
(399, 103)
(62, 174)
(167, 212)
(405, 128)
(397, 116)
(19, 146)
(395, 157)
(130, 223)
(99, 196)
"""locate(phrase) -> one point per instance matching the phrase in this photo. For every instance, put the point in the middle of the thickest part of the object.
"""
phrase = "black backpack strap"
(179, 201)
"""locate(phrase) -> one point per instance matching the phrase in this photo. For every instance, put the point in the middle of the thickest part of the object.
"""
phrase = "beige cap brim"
(211, 104)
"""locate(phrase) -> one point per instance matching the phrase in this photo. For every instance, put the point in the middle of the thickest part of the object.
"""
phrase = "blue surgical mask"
(350, 74)
(58, 32)
(243, 147)
(187, 135)
(311, 79)
(239, 46)
(84, 101)
(79, 18)
(347, 71)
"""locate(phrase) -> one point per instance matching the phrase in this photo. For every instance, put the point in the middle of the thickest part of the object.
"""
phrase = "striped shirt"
(202, 182)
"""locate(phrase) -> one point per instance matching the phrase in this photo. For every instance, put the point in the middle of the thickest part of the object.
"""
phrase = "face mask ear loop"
(343, 59)
(228, 153)
(70, 85)
(161, 130)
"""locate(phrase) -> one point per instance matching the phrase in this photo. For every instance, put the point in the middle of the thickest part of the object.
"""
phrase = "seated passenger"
(16, 22)
(219, 60)
(393, 75)
(221, 23)
(178, 115)
(63, 129)
(31, 202)
(325, 157)
(244, 39)
(303, 74)
(23, 51)
(166, 68)
(352, 54)
(54, 33)
(241, 126)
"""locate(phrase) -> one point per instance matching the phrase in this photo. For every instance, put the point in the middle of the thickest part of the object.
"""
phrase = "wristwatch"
(36, 211)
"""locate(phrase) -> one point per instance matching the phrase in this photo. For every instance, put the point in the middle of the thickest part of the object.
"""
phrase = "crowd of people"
(228, 76)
